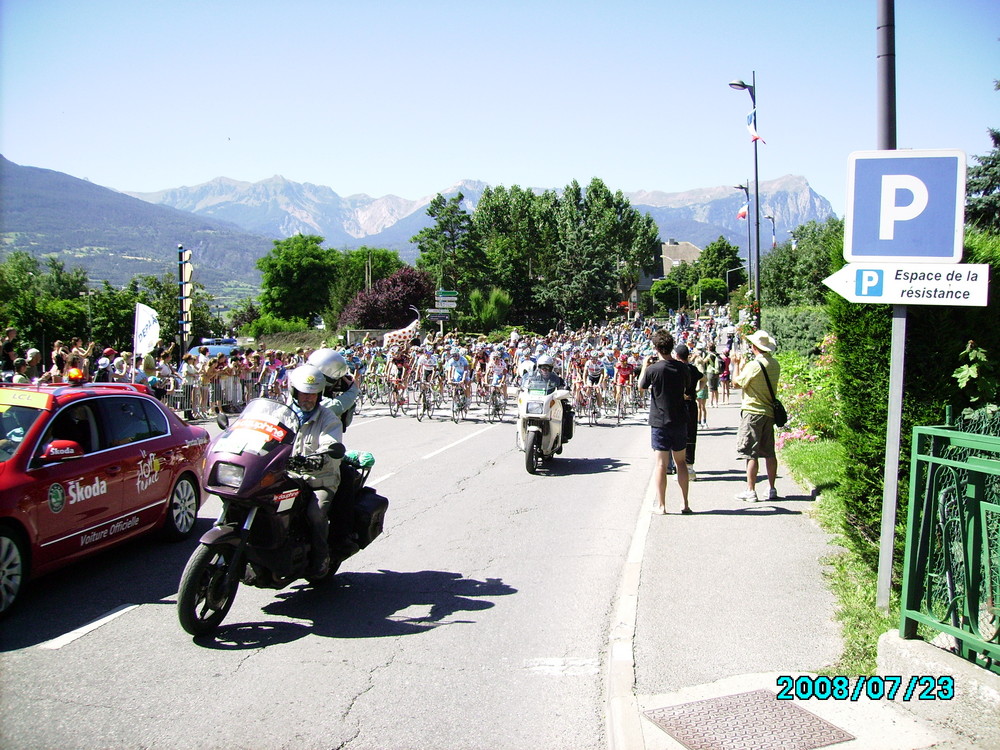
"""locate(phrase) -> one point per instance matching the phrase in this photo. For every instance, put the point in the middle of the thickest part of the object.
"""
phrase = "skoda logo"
(57, 498)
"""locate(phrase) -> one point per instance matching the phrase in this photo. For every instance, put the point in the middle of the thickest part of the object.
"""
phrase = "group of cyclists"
(600, 366)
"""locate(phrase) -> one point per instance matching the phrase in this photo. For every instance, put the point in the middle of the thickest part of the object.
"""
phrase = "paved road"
(478, 620)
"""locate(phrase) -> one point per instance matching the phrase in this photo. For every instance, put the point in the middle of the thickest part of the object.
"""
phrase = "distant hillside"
(229, 224)
(114, 236)
(280, 207)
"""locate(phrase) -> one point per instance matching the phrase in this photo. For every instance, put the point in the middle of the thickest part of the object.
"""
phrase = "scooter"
(544, 421)
(262, 536)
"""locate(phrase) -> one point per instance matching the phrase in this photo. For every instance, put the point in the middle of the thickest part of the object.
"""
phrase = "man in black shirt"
(667, 380)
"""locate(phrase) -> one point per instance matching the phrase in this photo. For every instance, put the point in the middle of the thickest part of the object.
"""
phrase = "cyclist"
(456, 370)
(594, 376)
(496, 375)
(624, 371)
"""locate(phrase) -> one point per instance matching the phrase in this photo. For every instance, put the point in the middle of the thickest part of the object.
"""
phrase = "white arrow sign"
(913, 283)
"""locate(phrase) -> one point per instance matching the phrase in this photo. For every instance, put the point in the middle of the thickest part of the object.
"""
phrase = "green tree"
(793, 273)
(449, 250)
(706, 291)
(718, 260)
(357, 270)
(488, 312)
(668, 294)
(296, 277)
(982, 208)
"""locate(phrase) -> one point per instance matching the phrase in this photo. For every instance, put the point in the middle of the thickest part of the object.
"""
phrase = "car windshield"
(262, 426)
(15, 421)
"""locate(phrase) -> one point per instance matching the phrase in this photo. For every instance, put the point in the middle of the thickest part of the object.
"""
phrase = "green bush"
(798, 329)
(268, 323)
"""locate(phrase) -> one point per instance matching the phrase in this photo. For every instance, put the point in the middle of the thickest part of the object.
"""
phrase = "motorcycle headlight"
(229, 475)
(534, 407)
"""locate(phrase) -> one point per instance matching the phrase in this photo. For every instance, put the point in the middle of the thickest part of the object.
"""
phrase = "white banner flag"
(147, 329)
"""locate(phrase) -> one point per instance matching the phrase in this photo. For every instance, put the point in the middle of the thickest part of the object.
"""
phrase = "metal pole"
(756, 198)
(886, 73)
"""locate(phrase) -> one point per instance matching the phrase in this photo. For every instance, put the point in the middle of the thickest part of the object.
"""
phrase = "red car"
(85, 467)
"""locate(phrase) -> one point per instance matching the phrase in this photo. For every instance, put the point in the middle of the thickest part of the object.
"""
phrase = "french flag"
(742, 213)
(752, 127)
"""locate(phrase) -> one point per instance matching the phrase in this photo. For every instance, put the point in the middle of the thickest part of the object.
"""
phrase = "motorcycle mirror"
(337, 450)
(223, 421)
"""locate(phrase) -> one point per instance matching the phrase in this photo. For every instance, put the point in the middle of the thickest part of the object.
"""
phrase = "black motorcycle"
(262, 536)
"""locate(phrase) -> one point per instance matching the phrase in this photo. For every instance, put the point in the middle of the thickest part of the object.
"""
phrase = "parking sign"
(905, 206)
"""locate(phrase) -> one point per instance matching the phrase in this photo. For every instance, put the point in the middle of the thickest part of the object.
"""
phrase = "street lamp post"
(750, 266)
(729, 290)
(90, 328)
(774, 238)
(751, 88)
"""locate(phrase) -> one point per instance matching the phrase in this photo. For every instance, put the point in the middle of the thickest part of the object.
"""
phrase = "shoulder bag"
(780, 415)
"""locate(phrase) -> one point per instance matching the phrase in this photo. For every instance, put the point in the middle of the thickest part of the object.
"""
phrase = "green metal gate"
(951, 576)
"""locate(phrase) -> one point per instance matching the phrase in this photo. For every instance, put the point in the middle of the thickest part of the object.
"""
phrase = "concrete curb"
(624, 726)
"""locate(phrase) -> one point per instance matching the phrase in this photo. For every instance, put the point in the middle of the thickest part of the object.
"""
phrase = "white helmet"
(307, 379)
(544, 361)
(330, 363)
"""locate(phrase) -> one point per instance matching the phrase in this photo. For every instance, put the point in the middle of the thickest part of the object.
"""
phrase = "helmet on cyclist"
(545, 361)
(329, 362)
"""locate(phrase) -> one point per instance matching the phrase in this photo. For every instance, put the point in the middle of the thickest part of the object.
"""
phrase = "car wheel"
(182, 509)
(13, 567)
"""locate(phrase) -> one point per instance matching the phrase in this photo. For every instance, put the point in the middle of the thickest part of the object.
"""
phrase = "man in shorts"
(666, 379)
(755, 439)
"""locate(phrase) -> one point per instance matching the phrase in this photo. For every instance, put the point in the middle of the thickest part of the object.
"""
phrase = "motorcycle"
(262, 538)
(544, 421)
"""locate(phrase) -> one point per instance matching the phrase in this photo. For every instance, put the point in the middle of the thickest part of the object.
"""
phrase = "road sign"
(913, 283)
(446, 293)
(449, 302)
(905, 206)
(438, 316)
(438, 311)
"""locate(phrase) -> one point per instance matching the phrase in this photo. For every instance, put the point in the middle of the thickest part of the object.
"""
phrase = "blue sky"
(407, 98)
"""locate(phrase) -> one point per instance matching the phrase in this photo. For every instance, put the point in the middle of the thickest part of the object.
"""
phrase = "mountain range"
(228, 224)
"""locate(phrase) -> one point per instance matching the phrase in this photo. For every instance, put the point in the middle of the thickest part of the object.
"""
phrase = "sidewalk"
(721, 603)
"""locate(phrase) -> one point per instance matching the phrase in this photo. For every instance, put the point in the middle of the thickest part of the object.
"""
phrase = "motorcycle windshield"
(262, 426)
(539, 386)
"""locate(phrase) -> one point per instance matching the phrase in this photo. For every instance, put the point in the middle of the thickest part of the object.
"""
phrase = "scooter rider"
(341, 390)
(320, 428)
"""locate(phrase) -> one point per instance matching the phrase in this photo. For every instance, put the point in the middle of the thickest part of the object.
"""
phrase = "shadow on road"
(561, 466)
(143, 570)
(365, 605)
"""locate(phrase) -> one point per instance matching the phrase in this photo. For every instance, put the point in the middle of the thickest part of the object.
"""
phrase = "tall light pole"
(751, 88)
(729, 291)
(774, 238)
(90, 328)
(746, 193)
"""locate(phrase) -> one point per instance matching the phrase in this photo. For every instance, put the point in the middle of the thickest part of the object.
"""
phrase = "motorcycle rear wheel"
(532, 452)
(204, 599)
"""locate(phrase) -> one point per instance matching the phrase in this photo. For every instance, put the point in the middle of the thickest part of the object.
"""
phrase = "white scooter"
(544, 421)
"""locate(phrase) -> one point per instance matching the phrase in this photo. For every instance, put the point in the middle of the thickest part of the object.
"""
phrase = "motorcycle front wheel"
(532, 452)
(204, 597)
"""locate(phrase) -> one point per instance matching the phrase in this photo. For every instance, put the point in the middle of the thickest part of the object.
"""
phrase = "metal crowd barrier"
(227, 394)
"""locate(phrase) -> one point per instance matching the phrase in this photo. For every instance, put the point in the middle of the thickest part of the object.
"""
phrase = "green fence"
(951, 576)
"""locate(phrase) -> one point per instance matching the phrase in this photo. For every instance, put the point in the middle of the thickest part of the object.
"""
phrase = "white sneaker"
(692, 474)
(772, 494)
(748, 496)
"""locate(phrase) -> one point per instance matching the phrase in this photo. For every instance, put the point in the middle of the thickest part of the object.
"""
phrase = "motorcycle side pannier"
(369, 515)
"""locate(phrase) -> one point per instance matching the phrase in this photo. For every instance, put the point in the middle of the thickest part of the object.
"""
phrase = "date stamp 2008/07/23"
(876, 688)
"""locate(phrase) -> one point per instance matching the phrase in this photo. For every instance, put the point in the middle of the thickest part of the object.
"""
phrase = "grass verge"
(821, 464)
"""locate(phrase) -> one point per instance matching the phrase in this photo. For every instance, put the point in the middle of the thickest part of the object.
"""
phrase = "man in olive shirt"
(666, 380)
(755, 439)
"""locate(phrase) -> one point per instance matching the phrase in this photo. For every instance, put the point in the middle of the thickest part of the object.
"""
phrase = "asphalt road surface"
(479, 619)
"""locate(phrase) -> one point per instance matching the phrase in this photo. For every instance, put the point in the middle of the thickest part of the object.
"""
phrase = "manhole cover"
(746, 721)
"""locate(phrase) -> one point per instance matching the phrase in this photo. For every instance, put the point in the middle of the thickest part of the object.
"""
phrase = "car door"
(74, 500)
(139, 433)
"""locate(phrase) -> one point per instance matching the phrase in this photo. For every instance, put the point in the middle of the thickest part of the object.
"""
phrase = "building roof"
(678, 252)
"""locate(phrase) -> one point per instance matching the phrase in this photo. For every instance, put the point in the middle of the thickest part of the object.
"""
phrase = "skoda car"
(85, 467)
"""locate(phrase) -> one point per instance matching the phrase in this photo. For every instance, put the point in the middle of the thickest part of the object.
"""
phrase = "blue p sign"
(868, 282)
(905, 206)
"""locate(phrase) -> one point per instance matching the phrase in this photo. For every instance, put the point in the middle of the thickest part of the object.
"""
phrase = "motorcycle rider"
(341, 389)
(320, 428)
(544, 376)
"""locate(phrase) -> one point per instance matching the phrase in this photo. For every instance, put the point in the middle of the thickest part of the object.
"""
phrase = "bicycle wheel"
(422, 405)
(594, 412)
(394, 402)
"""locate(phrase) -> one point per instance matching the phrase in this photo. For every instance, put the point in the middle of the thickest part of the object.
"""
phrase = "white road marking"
(361, 422)
(569, 667)
(457, 442)
(381, 478)
(67, 638)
